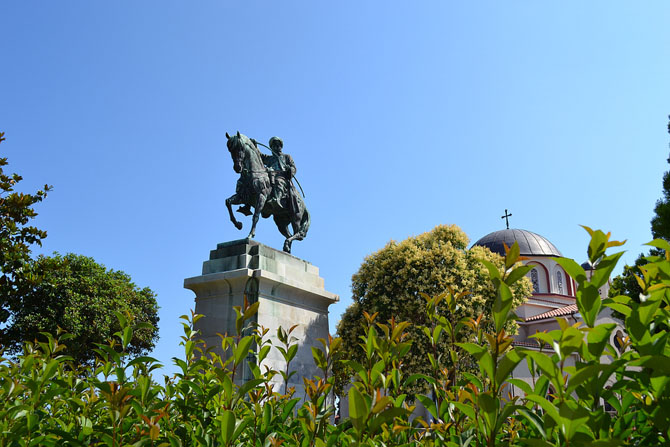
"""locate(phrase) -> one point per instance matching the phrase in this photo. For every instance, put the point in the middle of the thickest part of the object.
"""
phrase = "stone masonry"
(289, 290)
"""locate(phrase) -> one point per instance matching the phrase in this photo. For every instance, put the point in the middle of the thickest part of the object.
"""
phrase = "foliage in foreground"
(46, 400)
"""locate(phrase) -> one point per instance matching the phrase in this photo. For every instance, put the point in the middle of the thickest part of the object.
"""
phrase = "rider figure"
(281, 169)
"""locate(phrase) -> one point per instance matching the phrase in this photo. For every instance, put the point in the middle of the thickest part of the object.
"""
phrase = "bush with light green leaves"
(47, 400)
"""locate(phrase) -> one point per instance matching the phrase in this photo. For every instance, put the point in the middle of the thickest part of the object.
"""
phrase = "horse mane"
(247, 142)
(242, 142)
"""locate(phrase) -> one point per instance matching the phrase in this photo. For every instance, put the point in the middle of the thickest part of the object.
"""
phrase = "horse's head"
(245, 154)
(236, 145)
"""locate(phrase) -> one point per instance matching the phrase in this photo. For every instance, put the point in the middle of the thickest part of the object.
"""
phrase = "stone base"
(289, 290)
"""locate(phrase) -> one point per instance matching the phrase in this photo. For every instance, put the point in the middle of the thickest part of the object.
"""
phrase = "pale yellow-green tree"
(391, 280)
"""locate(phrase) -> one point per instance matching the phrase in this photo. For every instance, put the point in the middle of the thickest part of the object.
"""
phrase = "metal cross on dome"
(506, 218)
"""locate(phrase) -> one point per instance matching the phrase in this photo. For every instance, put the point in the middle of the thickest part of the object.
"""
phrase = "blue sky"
(399, 116)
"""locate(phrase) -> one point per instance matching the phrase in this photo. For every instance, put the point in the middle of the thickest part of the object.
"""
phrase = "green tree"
(390, 283)
(71, 292)
(16, 237)
(80, 296)
(660, 223)
(626, 283)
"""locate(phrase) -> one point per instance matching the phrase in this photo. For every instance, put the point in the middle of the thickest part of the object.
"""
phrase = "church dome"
(530, 244)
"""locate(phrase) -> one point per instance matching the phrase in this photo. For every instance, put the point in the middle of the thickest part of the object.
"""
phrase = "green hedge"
(46, 400)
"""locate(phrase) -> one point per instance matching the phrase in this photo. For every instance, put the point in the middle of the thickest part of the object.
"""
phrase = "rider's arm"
(290, 166)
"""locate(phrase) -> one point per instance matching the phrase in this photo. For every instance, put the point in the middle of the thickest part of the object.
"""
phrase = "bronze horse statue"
(253, 189)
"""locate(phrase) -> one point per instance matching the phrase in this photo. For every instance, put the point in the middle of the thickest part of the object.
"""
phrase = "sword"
(293, 177)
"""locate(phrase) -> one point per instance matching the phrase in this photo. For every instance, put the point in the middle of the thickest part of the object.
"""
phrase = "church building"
(553, 290)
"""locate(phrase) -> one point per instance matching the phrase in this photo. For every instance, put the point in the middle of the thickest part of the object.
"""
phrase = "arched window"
(559, 282)
(535, 279)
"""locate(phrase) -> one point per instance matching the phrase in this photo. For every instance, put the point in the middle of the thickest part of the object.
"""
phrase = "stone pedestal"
(289, 290)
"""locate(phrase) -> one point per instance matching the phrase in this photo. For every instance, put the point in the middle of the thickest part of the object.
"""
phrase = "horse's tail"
(304, 225)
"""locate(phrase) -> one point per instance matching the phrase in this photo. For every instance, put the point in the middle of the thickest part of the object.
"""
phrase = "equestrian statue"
(266, 185)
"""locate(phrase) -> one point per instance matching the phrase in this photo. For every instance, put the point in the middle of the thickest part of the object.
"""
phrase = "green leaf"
(544, 362)
(466, 409)
(248, 386)
(657, 363)
(535, 420)
(429, 404)
(507, 364)
(292, 351)
(319, 358)
(227, 426)
(597, 246)
(604, 269)
(502, 306)
(240, 426)
(598, 338)
(638, 332)
(414, 377)
(263, 353)
(381, 404)
(127, 336)
(573, 269)
(174, 441)
(251, 311)
(123, 321)
(660, 243)
(359, 408)
(482, 355)
(494, 273)
(648, 308)
(518, 273)
(49, 370)
(618, 307)
(472, 348)
(142, 360)
(242, 349)
(489, 406)
(386, 417)
(521, 384)
(267, 417)
(588, 303)
(512, 255)
(288, 409)
(572, 417)
(584, 374)
(547, 406)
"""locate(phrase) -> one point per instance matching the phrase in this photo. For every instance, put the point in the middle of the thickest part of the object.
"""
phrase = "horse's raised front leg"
(230, 201)
(257, 213)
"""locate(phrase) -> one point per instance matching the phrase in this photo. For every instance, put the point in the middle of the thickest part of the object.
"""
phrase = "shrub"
(45, 399)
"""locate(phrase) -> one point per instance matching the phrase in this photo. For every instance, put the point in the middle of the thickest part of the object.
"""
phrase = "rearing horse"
(253, 189)
(253, 186)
